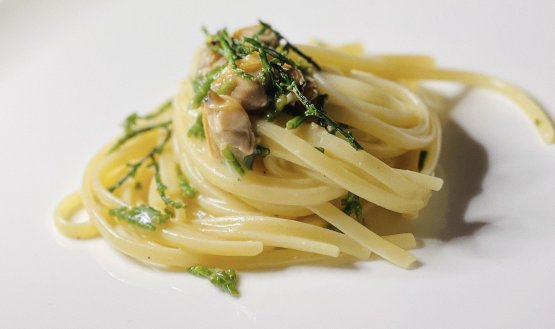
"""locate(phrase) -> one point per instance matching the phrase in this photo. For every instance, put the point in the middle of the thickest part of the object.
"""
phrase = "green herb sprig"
(201, 85)
(325, 120)
(130, 122)
(143, 216)
(197, 129)
(161, 187)
(186, 189)
(295, 122)
(288, 45)
(134, 167)
(275, 76)
(232, 161)
(130, 132)
(259, 151)
(351, 205)
(229, 49)
(226, 280)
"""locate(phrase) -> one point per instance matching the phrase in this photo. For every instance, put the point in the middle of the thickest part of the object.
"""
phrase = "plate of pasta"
(260, 166)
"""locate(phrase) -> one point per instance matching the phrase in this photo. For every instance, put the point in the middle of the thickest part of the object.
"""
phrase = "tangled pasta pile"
(272, 155)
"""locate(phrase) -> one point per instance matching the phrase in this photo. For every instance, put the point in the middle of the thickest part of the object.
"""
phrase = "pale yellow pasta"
(280, 213)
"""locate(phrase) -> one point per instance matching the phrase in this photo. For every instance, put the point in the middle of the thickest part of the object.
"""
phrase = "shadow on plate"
(463, 165)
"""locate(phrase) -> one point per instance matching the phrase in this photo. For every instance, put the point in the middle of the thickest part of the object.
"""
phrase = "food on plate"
(273, 154)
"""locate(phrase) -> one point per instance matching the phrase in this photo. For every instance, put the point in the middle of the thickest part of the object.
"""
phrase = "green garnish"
(232, 160)
(351, 205)
(186, 188)
(227, 86)
(201, 85)
(285, 81)
(134, 167)
(280, 102)
(130, 123)
(277, 75)
(264, 50)
(260, 151)
(295, 122)
(321, 149)
(324, 120)
(130, 132)
(132, 172)
(161, 187)
(288, 45)
(143, 216)
(146, 216)
(197, 129)
(229, 49)
(226, 280)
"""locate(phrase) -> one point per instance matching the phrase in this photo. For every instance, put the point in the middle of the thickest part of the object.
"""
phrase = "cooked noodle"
(279, 213)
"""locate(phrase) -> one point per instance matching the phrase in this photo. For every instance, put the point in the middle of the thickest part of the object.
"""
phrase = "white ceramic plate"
(70, 71)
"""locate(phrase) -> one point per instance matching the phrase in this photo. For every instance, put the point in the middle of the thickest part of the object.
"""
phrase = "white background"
(70, 71)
